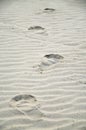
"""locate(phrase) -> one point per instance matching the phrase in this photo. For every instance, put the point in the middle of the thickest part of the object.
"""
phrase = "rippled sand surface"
(39, 91)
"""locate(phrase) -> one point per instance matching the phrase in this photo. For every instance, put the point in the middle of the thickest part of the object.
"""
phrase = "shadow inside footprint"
(47, 10)
(54, 56)
(36, 28)
(50, 9)
(49, 60)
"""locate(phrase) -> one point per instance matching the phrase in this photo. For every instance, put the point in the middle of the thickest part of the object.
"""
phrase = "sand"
(39, 91)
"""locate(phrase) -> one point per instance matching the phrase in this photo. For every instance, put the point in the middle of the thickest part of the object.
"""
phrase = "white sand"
(60, 89)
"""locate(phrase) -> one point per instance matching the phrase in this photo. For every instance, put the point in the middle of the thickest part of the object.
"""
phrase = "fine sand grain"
(43, 65)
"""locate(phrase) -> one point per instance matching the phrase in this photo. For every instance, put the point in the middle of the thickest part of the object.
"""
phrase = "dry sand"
(39, 91)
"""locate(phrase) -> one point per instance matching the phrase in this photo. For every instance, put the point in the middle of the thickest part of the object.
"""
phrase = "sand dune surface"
(43, 65)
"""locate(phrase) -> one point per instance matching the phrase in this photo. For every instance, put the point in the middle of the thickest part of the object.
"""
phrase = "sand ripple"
(56, 98)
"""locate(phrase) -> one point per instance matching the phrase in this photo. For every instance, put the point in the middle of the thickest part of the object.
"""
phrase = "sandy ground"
(39, 91)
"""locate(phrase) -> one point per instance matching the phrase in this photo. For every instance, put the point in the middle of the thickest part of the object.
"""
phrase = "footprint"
(54, 56)
(23, 101)
(25, 104)
(49, 60)
(36, 28)
(47, 10)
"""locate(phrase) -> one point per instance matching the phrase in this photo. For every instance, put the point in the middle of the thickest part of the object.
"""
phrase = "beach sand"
(43, 65)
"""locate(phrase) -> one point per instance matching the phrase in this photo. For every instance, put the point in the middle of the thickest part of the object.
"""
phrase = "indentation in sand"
(49, 10)
(27, 105)
(49, 60)
(23, 100)
(37, 29)
(54, 56)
